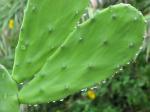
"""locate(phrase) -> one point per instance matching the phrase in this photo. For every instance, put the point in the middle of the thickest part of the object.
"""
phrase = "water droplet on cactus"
(141, 48)
(35, 105)
(21, 83)
(121, 69)
(128, 63)
(62, 100)
(144, 36)
(95, 87)
(84, 90)
(104, 81)
(116, 72)
(145, 21)
(140, 13)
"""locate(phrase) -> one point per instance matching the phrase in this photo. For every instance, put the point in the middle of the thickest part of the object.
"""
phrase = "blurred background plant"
(126, 91)
(11, 15)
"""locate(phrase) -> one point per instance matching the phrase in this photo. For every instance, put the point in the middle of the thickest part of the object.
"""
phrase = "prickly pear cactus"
(8, 92)
(90, 54)
(46, 24)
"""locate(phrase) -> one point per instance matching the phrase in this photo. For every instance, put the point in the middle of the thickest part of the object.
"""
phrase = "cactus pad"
(93, 52)
(46, 24)
(8, 92)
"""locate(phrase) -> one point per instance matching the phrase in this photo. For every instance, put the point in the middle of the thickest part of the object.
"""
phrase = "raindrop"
(62, 100)
(136, 54)
(104, 81)
(35, 105)
(145, 21)
(116, 72)
(95, 87)
(128, 63)
(21, 83)
(121, 69)
(144, 36)
(141, 48)
(140, 13)
(84, 90)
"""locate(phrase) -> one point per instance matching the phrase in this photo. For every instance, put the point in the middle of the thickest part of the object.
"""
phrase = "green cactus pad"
(8, 92)
(46, 25)
(93, 52)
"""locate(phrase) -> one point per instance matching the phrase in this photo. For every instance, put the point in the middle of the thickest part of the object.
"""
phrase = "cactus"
(46, 24)
(8, 92)
(57, 57)
(90, 54)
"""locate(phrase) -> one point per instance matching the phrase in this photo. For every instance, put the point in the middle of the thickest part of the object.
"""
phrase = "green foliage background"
(127, 91)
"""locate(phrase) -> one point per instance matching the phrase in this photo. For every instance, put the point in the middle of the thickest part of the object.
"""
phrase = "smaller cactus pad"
(8, 92)
(45, 26)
